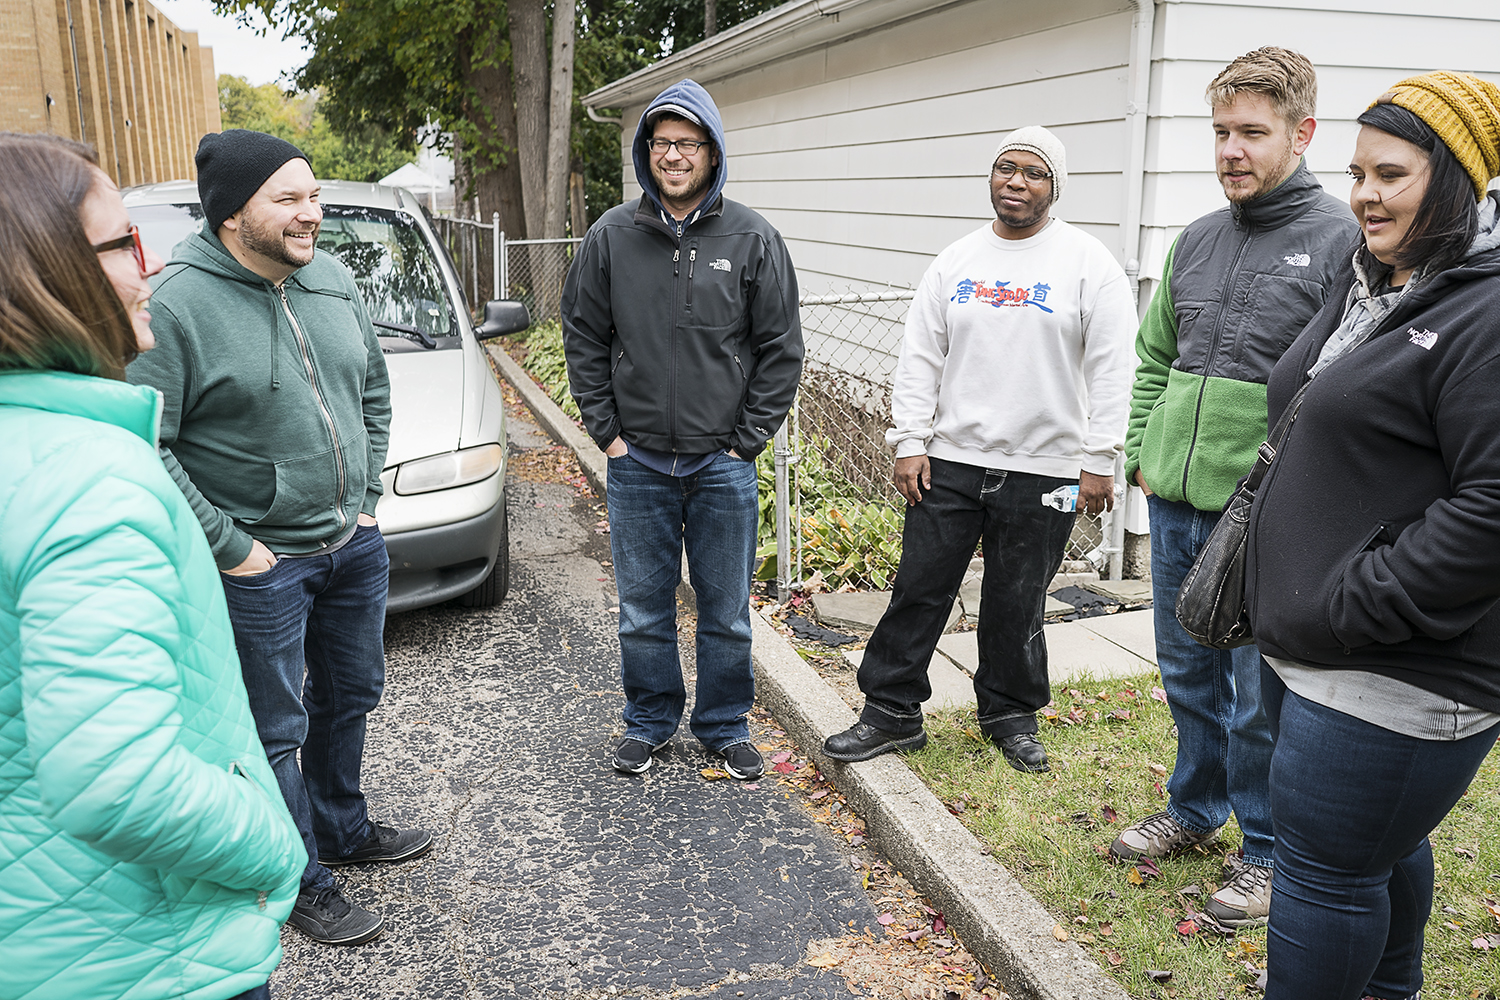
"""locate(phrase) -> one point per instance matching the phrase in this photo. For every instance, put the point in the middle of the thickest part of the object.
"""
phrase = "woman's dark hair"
(58, 309)
(1447, 219)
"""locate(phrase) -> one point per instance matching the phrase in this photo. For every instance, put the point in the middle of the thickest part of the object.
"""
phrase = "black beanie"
(232, 165)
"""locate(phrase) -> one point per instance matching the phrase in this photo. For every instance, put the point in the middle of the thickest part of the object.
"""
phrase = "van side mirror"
(502, 316)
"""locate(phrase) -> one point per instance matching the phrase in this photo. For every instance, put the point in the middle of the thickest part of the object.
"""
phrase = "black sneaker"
(633, 756)
(384, 843)
(743, 761)
(329, 918)
(863, 741)
(1024, 752)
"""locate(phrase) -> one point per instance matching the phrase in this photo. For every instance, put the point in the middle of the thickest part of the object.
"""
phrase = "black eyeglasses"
(1033, 175)
(130, 241)
(687, 147)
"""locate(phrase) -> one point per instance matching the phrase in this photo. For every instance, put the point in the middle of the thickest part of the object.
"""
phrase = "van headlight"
(443, 472)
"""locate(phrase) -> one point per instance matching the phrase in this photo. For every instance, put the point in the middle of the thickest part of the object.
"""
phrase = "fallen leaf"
(1147, 868)
(1108, 813)
(885, 919)
(1159, 975)
(1120, 715)
(823, 961)
(783, 768)
(1159, 695)
(939, 924)
(917, 934)
(1189, 890)
(1060, 932)
(1113, 957)
(1134, 877)
(1187, 927)
(782, 757)
(1106, 929)
(1157, 769)
(713, 773)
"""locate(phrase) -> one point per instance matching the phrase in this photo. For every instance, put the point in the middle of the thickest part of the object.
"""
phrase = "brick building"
(113, 73)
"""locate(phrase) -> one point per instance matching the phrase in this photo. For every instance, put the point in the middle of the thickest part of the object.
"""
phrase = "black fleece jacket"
(1375, 538)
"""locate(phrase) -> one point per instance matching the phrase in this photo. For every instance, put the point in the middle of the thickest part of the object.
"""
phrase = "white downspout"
(1142, 25)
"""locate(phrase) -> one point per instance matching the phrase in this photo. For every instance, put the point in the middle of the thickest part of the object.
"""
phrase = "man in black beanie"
(275, 416)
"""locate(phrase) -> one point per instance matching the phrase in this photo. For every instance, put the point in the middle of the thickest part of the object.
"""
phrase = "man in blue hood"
(684, 350)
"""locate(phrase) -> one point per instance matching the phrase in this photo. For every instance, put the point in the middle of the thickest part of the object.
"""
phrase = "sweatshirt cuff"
(233, 549)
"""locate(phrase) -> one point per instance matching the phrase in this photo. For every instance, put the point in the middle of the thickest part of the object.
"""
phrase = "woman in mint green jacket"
(144, 847)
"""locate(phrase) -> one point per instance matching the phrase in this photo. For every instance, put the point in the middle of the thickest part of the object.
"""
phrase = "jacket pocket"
(1376, 537)
(306, 491)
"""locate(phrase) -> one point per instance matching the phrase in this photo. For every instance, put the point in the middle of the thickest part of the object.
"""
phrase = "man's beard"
(268, 244)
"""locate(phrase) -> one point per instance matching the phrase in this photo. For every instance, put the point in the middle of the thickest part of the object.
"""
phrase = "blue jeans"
(1223, 742)
(309, 633)
(1023, 545)
(652, 516)
(261, 992)
(1353, 805)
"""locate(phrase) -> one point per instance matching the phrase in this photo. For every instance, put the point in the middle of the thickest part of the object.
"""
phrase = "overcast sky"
(238, 50)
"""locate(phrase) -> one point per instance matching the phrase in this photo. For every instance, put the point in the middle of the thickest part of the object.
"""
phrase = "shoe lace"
(332, 902)
(1161, 826)
(1250, 879)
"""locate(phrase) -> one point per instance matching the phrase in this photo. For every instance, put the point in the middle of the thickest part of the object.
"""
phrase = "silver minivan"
(443, 513)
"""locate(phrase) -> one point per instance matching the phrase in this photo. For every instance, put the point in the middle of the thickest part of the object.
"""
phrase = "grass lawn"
(1111, 747)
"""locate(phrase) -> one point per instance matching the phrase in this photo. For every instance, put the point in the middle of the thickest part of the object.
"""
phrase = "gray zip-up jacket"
(1240, 284)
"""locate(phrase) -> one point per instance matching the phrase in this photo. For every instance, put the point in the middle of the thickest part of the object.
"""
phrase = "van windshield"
(393, 266)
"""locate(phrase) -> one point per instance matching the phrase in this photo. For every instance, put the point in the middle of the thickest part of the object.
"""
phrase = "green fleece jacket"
(276, 402)
(145, 850)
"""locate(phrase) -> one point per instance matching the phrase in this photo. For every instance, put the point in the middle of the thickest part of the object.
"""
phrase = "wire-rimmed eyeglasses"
(1033, 175)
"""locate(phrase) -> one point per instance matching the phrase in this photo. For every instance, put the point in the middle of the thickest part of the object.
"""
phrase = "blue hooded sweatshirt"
(693, 103)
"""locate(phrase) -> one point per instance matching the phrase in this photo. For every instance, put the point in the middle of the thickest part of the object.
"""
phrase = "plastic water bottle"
(1065, 498)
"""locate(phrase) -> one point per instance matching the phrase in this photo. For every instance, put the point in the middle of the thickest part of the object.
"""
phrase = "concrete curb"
(999, 921)
(553, 420)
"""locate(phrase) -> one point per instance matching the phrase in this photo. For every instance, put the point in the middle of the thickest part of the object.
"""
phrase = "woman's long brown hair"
(58, 309)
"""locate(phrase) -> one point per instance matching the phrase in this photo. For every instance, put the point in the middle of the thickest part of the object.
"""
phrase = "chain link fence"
(493, 266)
(838, 514)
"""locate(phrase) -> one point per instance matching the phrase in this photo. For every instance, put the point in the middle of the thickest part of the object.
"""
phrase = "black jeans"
(1023, 545)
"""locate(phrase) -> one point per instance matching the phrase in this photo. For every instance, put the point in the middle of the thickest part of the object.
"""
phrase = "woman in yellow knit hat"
(1374, 552)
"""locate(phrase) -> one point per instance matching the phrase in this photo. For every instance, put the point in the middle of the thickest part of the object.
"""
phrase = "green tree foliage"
(358, 152)
(400, 65)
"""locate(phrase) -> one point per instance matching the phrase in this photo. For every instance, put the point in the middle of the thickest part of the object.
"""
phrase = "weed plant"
(1112, 745)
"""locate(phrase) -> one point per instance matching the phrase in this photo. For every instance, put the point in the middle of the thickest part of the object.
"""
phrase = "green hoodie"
(276, 402)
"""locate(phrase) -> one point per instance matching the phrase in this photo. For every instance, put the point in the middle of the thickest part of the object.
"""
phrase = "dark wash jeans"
(1023, 545)
(1352, 806)
(309, 633)
(1223, 742)
(261, 992)
(652, 516)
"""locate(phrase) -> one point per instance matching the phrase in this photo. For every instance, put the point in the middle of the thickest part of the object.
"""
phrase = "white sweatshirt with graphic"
(1018, 356)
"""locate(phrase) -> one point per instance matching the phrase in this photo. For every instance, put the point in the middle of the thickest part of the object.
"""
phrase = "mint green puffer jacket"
(144, 848)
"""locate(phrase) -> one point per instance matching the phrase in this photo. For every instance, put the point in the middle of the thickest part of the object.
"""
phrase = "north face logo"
(1422, 338)
(1298, 260)
(719, 265)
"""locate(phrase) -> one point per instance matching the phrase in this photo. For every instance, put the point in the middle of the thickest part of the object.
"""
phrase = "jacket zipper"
(672, 348)
(692, 256)
(1225, 302)
(338, 448)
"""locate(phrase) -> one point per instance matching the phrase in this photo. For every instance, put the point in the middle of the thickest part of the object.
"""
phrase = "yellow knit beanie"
(1464, 111)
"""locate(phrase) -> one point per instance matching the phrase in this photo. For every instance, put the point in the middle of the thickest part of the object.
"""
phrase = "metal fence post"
(1116, 544)
(504, 257)
(780, 452)
(495, 239)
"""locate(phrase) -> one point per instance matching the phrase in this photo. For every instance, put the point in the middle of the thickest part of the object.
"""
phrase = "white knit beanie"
(1035, 139)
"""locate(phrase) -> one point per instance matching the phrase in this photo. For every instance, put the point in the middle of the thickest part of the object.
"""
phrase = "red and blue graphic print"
(999, 293)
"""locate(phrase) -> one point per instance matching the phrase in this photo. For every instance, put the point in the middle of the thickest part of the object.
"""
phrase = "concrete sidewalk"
(997, 919)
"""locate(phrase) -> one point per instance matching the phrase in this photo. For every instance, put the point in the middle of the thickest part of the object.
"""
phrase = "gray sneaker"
(1245, 900)
(1156, 836)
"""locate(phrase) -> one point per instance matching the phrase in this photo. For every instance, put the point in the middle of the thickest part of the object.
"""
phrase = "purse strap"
(1266, 454)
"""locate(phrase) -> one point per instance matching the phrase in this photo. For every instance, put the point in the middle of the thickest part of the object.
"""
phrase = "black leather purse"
(1211, 602)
